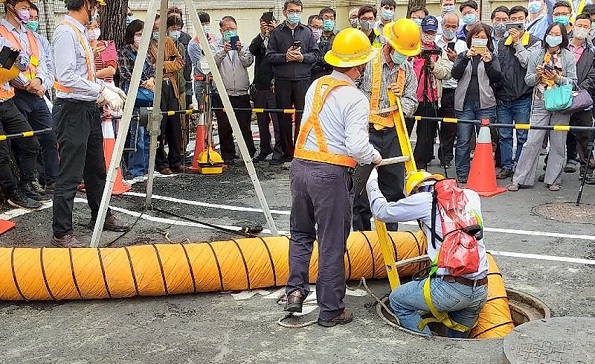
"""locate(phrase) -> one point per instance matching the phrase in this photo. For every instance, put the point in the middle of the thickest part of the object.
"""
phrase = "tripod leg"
(584, 174)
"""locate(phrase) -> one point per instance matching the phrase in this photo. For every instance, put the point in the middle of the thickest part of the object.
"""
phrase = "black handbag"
(581, 100)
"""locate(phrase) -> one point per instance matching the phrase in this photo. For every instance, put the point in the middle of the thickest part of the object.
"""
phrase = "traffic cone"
(482, 176)
(109, 141)
(6, 226)
(199, 147)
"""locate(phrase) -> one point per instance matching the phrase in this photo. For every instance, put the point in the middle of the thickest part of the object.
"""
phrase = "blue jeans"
(138, 161)
(510, 112)
(463, 303)
(471, 111)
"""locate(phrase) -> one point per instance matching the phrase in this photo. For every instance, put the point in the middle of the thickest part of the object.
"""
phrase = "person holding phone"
(233, 59)
(554, 65)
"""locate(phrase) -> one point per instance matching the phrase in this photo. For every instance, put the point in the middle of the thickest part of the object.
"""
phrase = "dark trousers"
(391, 179)
(322, 196)
(582, 139)
(78, 127)
(426, 134)
(39, 117)
(228, 149)
(171, 130)
(265, 99)
(290, 94)
(13, 122)
(448, 131)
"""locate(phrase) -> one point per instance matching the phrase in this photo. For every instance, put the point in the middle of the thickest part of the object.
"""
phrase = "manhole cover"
(567, 212)
(556, 340)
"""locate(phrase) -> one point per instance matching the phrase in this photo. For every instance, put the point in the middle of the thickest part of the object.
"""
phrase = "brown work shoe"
(344, 318)
(67, 241)
(165, 171)
(294, 301)
(179, 169)
(111, 223)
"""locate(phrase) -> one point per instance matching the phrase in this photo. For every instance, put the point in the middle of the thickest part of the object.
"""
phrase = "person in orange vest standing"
(30, 87)
(389, 70)
(77, 121)
(333, 138)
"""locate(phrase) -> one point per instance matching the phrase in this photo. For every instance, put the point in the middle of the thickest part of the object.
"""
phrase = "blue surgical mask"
(328, 25)
(32, 25)
(387, 14)
(535, 7)
(449, 33)
(367, 24)
(553, 40)
(469, 19)
(206, 29)
(398, 58)
(417, 20)
(294, 18)
(229, 33)
(448, 9)
(156, 35)
(562, 19)
(129, 19)
(175, 34)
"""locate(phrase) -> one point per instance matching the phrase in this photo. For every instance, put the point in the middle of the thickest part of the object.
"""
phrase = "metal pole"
(123, 129)
(232, 119)
(155, 119)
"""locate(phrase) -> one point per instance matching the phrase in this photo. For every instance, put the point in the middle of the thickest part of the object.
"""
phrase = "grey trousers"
(321, 206)
(527, 165)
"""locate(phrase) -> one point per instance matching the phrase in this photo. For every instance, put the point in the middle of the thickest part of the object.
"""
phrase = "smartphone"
(234, 42)
(8, 57)
(267, 17)
(451, 46)
(518, 26)
(297, 43)
(548, 67)
(480, 50)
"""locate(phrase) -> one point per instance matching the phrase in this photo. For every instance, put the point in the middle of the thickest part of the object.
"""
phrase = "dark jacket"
(513, 64)
(185, 39)
(280, 41)
(263, 70)
(321, 68)
(585, 69)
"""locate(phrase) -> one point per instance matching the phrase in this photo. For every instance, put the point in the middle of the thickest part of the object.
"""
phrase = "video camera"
(428, 53)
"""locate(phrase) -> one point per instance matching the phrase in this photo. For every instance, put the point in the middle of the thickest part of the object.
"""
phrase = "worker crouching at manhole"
(455, 289)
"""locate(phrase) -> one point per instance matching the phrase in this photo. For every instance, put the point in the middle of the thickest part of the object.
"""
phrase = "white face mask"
(581, 33)
(94, 34)
(479, 42)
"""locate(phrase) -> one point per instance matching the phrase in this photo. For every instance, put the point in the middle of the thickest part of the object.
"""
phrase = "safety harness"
(375, 113)
(33, 45)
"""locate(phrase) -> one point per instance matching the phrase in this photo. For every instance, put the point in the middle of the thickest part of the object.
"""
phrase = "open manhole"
(567, 212)
(523, 308)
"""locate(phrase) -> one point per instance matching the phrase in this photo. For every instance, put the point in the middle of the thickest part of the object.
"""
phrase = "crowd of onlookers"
(467, 69)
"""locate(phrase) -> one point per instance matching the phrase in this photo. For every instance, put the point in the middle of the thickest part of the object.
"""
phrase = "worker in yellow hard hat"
(333, 139)
(454, 297)
(389, 70)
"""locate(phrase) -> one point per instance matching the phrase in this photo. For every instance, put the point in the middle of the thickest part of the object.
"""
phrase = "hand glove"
(373, 175)
(117, 90)
(110, 98)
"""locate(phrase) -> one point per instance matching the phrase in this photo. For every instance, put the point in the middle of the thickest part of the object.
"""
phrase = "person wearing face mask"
(30, 87)
(138, 161)
(389, 71)
(292, 51)
(233, 63)
(325, 42)
(430, 70)
(77, 121)
(446, 7)
(171, 161)
(33, 25)
(499, 19)
(129, 16)
(417, 14)
(540, 17)
(469, 16)
(552, 66)
(562, 12)
(353, 18)
(451, 46)
(321, 177)
(196, 56)
(367, 20)
(512, 92)
(476, 70)
(184, 38)
(387, 14)
(106, 61)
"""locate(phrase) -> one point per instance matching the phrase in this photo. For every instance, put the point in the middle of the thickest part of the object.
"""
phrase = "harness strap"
(33, 45)
(82, 40)
(441, 317)
(385, 121)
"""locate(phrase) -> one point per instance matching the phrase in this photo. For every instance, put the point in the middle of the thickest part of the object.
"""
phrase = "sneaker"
(276, 162)
(504, 173)
(261, 157)
(590, 179)
(17, 199)
(34, 192)
(569, 167)
(67, 241)
(50, 188)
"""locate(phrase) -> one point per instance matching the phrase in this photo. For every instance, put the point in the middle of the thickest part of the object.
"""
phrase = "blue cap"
(429, 23)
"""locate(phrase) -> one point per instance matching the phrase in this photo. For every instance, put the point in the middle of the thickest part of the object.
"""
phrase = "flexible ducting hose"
(495, 319)
(166, 269)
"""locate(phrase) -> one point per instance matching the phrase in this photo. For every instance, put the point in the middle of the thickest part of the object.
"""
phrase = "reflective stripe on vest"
(90, 73)
(313, 124)
(383, 121)
(34, 57)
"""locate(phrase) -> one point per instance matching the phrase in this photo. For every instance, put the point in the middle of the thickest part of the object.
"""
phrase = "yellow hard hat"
(403, 36)
(417, 179)
(350, 48)
(8, 74)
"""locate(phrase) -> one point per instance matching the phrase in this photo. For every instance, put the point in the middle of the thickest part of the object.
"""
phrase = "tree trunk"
(413, 3)
(113, 21)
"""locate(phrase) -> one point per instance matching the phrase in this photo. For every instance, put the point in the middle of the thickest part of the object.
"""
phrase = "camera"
(427, 53)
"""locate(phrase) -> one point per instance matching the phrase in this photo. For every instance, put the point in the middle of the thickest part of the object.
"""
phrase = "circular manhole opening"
(567, 212)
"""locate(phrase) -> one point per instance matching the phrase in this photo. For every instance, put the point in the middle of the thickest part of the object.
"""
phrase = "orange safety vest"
(33, 44)
(313, 123)
(375, 118)
(90, 72)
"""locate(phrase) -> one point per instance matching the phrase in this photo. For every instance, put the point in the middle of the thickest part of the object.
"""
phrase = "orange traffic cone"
(109, 142)
(199, 147)
(482, 176)
(6, 226)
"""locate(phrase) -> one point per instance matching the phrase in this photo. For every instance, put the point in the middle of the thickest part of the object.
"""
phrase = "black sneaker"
(50, 188)
(33, 192)
(17, 199)
(504, 173)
